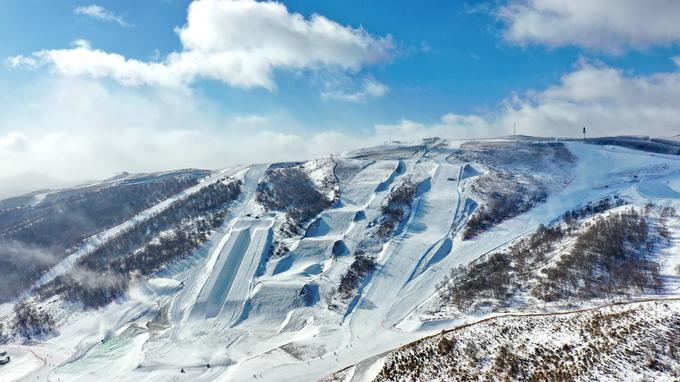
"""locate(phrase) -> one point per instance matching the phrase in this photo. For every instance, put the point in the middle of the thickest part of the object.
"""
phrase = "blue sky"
(366, 70)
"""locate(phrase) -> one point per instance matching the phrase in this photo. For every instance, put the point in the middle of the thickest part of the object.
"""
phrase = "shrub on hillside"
(30, 321)
(289, 189)
(506, 195)
(397, 207)
(612, 256)
(350, 281)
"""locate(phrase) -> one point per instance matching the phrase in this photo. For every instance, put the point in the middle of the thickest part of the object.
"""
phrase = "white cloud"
(14, 142)
(606, 100)
(81, 43)
(82, 61)
(74, 129)
(452, 126)
(79, 129)
(240, 43)
(609, 25)
(100, 13)
(22, 62)
(251, 120)
(370, 88)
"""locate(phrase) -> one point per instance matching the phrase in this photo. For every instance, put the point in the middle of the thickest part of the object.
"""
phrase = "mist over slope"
(327, 267)
(27, 182)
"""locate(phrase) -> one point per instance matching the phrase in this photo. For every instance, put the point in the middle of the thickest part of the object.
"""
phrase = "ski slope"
(252, 317)
(228, 285)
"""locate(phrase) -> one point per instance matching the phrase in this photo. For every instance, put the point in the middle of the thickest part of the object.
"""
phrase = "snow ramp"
(228, 285)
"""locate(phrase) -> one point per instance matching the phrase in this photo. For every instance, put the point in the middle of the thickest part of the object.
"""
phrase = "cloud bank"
(605, 99)
(82, 129)
(73, 126)
(66, 124)
(608, 25)
(241, 43)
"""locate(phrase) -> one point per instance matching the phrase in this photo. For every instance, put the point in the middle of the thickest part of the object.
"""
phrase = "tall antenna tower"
(514, 130)
(584, 133)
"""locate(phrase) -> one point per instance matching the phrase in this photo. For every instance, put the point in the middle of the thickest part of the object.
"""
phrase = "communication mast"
(584, 133)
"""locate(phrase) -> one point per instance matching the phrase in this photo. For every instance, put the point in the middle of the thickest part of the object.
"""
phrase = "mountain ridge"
(296, 270)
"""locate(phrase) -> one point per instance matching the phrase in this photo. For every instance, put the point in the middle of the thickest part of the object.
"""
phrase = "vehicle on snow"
(4, 358)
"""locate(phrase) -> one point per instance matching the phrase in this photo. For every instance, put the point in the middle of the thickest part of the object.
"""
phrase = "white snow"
(247, 319)
(23, 363)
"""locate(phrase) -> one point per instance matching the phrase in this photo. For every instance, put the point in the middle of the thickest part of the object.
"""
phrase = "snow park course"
(376, 264)
(241, 255)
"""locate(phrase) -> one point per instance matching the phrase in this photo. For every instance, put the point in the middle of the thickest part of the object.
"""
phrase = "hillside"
(636, 341)
(333, 267)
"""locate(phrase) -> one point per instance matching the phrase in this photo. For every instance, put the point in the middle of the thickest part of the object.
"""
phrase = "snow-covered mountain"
(328, 268)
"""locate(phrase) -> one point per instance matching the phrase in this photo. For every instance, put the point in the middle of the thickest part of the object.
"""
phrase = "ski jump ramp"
(228, 285)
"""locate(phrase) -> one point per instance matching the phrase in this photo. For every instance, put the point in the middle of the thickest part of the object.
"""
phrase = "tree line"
(611, 255)
(30, 321)
(146, 248)
(290, 189)
(505, 196)
(59, 224)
